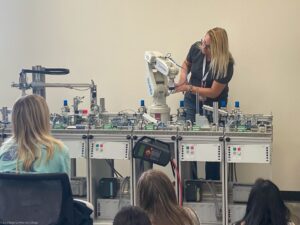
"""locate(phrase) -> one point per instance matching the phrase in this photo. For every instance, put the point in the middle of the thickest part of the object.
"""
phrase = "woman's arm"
(186, 66)
(213, 92)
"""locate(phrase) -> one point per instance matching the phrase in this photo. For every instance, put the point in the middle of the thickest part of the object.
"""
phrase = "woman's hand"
(182, 88)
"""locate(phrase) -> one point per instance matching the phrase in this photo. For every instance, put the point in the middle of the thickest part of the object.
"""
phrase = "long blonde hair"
(31, 129)
(220, 55)
(156, 195)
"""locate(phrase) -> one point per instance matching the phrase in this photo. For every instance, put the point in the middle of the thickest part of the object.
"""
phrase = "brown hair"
(156, 195)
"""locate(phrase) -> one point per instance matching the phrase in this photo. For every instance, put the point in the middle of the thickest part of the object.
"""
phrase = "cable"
(125, 182)
(168, 56)
(113, 169)
(235, 174)
(218, 210)
(173, 164)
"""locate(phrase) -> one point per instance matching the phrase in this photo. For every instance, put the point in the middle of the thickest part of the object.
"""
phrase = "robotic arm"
(161, 72)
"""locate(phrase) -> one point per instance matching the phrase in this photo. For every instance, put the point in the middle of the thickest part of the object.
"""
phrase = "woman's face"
(205, 45)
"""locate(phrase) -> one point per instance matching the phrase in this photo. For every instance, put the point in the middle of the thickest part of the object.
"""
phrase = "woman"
(265, 206)
(31, 147)
(211, 66)
(156, 195)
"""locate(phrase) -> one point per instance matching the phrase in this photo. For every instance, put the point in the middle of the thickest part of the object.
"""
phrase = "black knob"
(173, 138)
(84, 136)
(227, 139)
(135, 137)
(91, 136)
(128, 137)
(221, 138)
(179, 138)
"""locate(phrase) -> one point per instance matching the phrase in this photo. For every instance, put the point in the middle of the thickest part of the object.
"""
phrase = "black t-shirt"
(195, 57)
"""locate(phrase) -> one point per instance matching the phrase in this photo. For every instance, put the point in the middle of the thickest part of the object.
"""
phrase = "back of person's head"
(30, 116)
(31, 128)
(156, 195)
(131, 215)
(265, 205)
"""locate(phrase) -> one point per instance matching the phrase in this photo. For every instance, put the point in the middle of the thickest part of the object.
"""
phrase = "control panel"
(200, 152)
(249, 153)
(109, 150)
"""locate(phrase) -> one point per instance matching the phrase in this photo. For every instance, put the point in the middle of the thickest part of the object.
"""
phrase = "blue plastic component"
(142, 102)
(181, 103)
(237, 104)
(223, 104)
(65, 102)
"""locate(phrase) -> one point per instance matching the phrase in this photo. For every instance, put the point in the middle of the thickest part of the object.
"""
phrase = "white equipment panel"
(200, 152)
(109, 150)
(249, 153)
(76, 148)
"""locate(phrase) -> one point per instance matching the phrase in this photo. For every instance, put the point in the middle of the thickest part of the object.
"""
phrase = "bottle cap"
(65, 102)
(237, 104)
(223, 104)
(181, 103)
(142, 103)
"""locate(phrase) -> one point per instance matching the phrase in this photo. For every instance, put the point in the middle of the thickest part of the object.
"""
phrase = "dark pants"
(212, 169)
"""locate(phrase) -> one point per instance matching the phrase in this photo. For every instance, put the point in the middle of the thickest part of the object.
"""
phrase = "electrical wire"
(218, 209)
(173, 164)
(113, 169)
(125, 182)
(168, 56)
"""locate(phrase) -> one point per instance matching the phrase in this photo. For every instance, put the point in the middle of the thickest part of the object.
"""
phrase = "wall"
(105, 41)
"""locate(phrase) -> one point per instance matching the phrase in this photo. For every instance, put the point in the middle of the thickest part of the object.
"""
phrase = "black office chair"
(36, 199)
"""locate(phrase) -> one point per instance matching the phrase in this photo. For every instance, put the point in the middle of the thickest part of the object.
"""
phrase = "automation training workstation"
(101, 141)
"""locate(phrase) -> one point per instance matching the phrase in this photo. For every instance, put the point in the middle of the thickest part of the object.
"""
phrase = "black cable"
(50, 71)
(168, 55)
(235, 174)
(173, 167)
(113, 169)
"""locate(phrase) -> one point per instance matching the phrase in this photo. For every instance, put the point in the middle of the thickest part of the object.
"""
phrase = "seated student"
(32, 148)
(156, 195)
(131, 215)
(265, 206)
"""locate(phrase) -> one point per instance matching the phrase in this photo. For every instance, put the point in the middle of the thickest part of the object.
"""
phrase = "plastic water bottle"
(181, 112)
(65, 110)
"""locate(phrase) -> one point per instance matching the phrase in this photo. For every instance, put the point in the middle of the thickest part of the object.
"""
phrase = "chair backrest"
(40, 199)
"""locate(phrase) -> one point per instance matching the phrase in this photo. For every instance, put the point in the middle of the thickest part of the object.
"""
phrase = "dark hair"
(131, 215)
(265, 205)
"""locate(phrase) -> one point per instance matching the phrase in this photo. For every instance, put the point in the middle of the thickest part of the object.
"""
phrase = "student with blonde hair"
(32, 148)
(156, 195)
(210, 64)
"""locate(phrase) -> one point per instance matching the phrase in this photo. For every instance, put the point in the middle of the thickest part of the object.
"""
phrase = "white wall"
(105, 41)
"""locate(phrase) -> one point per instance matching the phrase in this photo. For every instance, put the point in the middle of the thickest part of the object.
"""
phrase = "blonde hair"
(31, 129)
(220, 55)
(156, 195)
